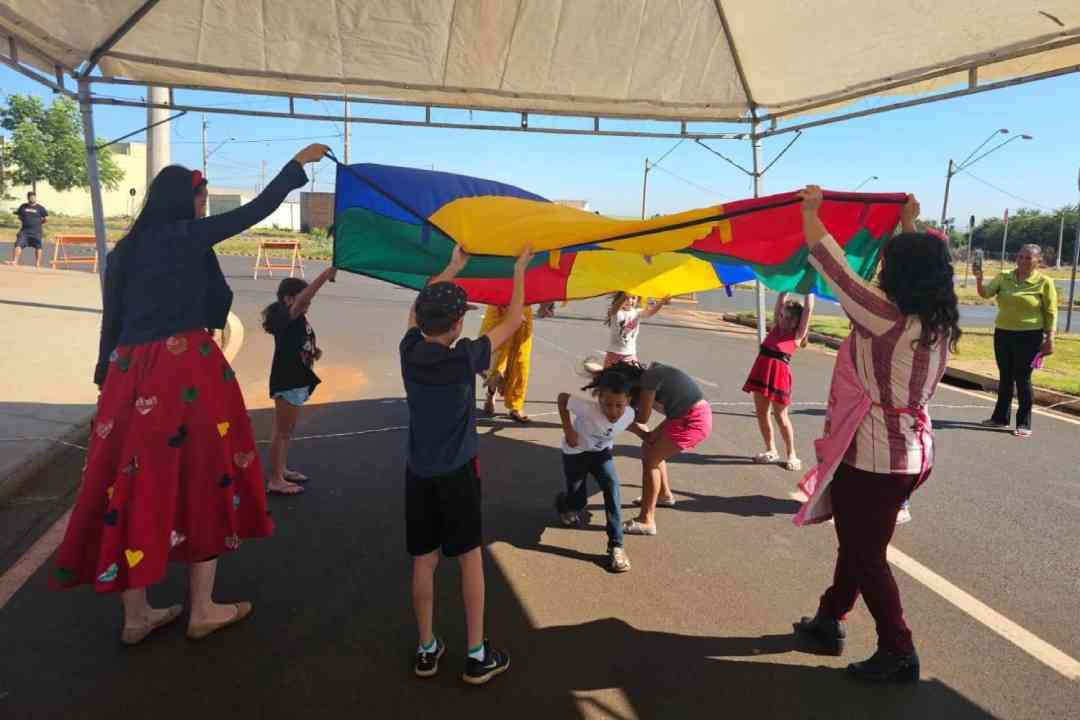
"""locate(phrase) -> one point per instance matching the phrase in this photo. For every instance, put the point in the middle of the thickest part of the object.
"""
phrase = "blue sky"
(907, 149)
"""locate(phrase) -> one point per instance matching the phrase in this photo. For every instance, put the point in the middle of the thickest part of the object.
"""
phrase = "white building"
(221, 200)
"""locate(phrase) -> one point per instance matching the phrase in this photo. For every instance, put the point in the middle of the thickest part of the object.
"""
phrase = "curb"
(232, 339)
(1049, 399)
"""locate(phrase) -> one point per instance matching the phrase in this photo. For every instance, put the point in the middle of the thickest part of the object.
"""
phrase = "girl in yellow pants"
(510, 365)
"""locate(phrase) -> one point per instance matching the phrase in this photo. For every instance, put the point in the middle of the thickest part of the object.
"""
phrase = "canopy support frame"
(117, 36)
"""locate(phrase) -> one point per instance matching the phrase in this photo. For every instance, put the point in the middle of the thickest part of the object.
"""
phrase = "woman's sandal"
(633, 527)
(198, 632)
(519, 418)
(660, 502)
(135, 635)
(767, 458)
(295, 477)
(793, 464)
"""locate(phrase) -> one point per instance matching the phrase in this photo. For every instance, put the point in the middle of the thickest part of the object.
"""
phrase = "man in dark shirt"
(31, 218)
(442, 481)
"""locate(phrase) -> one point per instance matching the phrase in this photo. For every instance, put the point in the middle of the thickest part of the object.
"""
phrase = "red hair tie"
(196, 179)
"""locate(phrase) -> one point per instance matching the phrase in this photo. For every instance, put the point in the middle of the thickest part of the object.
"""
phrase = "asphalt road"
(701, 627)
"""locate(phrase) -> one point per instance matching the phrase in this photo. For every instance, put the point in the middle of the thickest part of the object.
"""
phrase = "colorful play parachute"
(400, 225)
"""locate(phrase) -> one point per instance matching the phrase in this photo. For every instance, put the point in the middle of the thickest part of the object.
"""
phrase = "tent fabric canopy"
(686, 60)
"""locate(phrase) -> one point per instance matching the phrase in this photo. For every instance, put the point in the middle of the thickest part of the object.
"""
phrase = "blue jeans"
(601, 466)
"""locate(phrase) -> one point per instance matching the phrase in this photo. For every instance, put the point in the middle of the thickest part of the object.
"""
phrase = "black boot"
(885, 666)
(826, 631)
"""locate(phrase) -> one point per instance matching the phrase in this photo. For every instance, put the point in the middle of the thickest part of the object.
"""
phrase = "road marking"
(1038, 648)
(25, 567)
(990, 398)
(1027, 641)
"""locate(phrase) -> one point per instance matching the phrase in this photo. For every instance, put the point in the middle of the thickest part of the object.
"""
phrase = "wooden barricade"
(295, 260)
(60, 251)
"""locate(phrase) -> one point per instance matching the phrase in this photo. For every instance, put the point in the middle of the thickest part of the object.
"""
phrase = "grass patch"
(976, 353)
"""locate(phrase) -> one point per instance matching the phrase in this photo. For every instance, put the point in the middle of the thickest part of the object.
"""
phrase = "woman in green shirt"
(1025, 325)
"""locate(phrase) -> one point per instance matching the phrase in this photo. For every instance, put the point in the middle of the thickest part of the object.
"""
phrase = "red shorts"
(690, 430)
(615, 358)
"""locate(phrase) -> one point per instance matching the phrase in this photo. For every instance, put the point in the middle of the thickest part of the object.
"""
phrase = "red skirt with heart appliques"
(171, 472)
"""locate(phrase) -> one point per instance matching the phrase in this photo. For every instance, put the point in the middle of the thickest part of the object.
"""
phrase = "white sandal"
(767, 458)
(793, 464)
(633, 527)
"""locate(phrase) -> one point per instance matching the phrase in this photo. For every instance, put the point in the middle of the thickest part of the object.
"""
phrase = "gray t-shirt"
(440, 384)
(675, 390)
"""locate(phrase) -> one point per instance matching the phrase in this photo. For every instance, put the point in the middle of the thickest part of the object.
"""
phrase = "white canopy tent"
(757, 64)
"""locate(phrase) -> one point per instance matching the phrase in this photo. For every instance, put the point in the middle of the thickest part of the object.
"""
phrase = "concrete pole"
(1061, 237)
(1004, 240)
(158, 145)
(93, 175)
(205, 155)
(945, 203)
(759, 289)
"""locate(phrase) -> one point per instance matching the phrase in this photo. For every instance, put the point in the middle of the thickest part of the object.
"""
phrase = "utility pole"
(158, 149)
(205, 154)
(945, 204)
(967, 257)
(1061, 237)
(644, 185)
(1004, 239)
(346, 129)
(262, 177)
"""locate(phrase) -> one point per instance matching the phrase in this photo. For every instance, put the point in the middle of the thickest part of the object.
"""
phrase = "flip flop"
(198, 632)
(519, 418)
(135, 635)
(633, 527)
(300, 490)
(295, 477)
(793, 464)
(767, 458)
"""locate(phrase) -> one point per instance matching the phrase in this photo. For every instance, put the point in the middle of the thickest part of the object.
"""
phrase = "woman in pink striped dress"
(886, 373)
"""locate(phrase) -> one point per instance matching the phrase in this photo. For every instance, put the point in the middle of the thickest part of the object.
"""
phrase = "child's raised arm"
(502, 332)
(303, 300)
(778, 308)
(654, 308)
(567, 422)
(458, 260)
(804, 321)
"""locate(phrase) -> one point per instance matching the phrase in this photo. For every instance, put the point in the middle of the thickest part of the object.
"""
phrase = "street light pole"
(970, 160)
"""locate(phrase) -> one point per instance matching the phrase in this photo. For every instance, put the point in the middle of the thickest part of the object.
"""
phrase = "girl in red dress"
(171, 472)
(770, 377)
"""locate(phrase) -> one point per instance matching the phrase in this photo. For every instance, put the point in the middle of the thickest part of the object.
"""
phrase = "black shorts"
(25, 239)
(443, 511)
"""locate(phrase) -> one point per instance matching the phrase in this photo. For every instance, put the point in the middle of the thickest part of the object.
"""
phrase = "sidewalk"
(53, 320)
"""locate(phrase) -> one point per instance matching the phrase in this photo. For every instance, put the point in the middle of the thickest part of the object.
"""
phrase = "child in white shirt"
(589, 438)
(624, 318)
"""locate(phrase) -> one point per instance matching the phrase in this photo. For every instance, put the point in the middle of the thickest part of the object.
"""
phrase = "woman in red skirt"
(171, 473)
(770, 377)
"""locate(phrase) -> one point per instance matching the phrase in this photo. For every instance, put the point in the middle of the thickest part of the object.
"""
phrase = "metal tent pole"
(759, 289)
(87, 110)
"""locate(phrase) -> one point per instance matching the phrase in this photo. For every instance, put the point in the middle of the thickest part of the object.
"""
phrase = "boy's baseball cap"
(442, 300)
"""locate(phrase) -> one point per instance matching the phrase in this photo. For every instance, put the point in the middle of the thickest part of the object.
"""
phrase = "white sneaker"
(619, 563)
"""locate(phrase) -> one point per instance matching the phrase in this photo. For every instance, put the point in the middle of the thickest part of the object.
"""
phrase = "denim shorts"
(296, 396)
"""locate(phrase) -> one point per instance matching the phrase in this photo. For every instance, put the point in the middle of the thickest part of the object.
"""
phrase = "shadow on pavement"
(332, 634)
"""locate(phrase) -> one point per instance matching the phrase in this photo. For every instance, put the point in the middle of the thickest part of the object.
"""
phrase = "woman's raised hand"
(312, 153)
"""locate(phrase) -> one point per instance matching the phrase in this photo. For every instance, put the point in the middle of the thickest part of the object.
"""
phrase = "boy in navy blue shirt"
(442, 481)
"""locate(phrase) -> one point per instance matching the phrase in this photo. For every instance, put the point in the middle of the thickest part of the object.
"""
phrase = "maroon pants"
(864, 508)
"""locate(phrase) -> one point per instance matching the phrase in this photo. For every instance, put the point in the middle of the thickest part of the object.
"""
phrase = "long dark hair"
(620, 377)
(617, 301)
(275, 316)
(170, 198)
(917, 275)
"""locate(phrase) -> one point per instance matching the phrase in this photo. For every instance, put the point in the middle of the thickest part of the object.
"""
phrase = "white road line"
(1038, 648)
(1027, 641)
(25, 567)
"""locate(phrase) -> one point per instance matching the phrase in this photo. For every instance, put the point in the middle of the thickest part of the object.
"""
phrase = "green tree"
(1029, 227)
(47, 144)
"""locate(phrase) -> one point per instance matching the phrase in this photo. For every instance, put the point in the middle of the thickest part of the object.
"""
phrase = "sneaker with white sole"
(617, 560)
(427, 663)
(478, 672)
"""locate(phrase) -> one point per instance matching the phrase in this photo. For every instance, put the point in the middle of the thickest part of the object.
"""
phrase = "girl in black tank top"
(292, 377)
